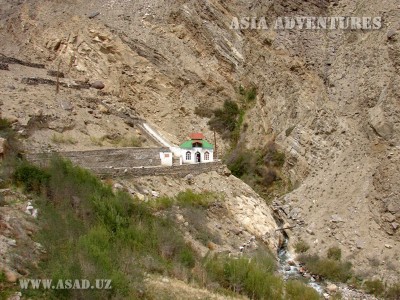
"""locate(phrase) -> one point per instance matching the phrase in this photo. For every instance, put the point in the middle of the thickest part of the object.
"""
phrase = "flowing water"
(290, 269)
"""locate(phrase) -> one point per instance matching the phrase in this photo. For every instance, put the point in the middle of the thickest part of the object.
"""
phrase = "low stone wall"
(126, 162)
(175, 171)
(105, 158)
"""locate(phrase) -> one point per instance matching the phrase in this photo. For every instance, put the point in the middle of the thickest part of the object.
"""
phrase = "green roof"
(189, 144)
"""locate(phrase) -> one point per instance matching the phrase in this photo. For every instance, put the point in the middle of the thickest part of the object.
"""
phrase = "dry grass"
(63, 139)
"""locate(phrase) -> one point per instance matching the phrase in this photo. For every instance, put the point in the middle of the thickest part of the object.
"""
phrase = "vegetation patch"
(296, 290)
(327, 268)
(185, 199)
(193, 207)
(301, 247)
(258, 168)
(254, 277)
(393, 292)
(91, 232)
(334, 253)
(203, 111)
(63, 139)
(131, 141)
(375, 287)
(226, 120)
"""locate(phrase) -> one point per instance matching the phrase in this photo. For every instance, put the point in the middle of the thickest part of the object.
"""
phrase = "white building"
(196, 150)
(166, 158)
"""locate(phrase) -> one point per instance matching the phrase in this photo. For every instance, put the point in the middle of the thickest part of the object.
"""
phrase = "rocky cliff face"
(328, 98)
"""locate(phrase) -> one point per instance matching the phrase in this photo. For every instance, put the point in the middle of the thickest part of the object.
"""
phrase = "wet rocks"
(331, 288)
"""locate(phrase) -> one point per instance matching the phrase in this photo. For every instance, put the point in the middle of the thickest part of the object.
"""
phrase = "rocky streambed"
(292, 269)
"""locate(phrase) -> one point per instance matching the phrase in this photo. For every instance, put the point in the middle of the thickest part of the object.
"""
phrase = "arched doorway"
(198, 157)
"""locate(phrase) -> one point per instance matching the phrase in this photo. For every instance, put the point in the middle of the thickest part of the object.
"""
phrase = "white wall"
(193, 152)
(166, 158)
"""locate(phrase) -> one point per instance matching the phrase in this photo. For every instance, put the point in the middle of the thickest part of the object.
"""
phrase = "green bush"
(161, 203)
(91, 232)
(334, 253)
(301, 247)
(4, 124)
(375, 287)
(247, 95)
(252, 277)
(296, 290)
(256, 163)
(184, 199)
(189, 198)
(327, 268)
(31, 177)
(226, 120)
(2, 277)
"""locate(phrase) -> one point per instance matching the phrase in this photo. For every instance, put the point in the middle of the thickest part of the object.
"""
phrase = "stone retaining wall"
(129, 162)
(105, 158)
(175, 171)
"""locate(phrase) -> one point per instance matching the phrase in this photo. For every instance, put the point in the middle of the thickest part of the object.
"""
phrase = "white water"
(293, 271)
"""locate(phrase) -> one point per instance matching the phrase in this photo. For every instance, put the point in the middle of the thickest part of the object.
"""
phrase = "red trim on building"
(196, 136)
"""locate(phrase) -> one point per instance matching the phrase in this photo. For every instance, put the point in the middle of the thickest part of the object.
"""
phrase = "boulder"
(310, 231)
(389, 217)
(189, 179)
(66, 104)
(98, 85)
(118, 186)
(11, 276)
(379, 123)
(391, 34)
(331, 288)
(93, 15)
(103, 109)
(336, 218)
(140, 196)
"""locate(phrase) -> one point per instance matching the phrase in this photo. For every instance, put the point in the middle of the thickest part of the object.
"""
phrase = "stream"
(290, 269)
